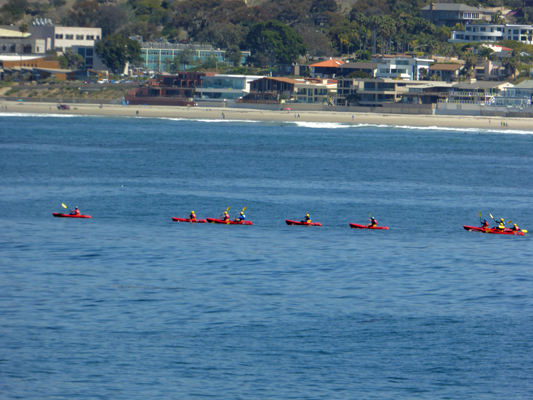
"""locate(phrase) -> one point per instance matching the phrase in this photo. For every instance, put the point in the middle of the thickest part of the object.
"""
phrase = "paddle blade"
(244, 209)
(491, 216)
(227, 209)
(64, 206)
(479, 215)
(509, 222)
(524, 230)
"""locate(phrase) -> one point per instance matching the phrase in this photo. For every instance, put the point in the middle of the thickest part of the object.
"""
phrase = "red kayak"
(495, 231)
(59, 215)
(357, 226)
(221, 221)
(289, 222)
(198, 221)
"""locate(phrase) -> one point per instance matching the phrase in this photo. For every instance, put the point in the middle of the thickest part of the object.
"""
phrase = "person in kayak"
(515, 228)
(501, 225)
(307, 219)
(192, 217)
(485, 224)
(75, 211)
(373, 223)
(225, 217)
(241, 217)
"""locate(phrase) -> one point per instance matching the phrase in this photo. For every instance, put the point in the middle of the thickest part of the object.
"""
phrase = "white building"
(493, 33)
(62, 37)
(400, 66)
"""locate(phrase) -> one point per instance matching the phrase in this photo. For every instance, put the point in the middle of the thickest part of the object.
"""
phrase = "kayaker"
(373, 222)
(75, 211)
(501, 224)
(225, 217)
(307, 219)
(485, 224)
(516, 228)
(241, 217)
(192, 217)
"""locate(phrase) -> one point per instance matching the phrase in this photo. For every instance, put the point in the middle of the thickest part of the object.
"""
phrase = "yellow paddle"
(64, 206)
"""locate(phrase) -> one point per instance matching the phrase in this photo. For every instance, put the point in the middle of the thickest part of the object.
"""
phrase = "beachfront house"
(372, 92)
(315, 91)
(475, 92)
(223, 88)
(519, 96)
(429, 93)
(167, 90)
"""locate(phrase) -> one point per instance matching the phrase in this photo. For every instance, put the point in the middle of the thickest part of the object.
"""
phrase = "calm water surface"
(130, 305)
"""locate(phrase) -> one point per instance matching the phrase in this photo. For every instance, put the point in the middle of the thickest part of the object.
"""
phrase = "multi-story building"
(493, 33)
(167, 90)
(158, 56)
(223, 87)
(315, 91)
(520, 95)
(62, 37)
(400, 66)
(451, 14)
(474, 92)
(13, 41)
(372, 92)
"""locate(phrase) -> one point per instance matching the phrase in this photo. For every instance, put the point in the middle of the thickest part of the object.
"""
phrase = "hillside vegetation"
(275, 30)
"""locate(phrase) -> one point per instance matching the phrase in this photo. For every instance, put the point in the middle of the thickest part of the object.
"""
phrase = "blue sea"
(131, 305)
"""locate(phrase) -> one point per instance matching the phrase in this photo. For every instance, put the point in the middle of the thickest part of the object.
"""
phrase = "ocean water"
(130, 305)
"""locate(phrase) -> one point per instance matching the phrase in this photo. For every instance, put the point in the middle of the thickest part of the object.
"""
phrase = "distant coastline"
(211, 113)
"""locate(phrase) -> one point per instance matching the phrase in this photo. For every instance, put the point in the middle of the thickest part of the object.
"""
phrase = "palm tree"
(511, 64)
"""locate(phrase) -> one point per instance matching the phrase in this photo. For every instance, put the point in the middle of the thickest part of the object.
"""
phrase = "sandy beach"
(467, 122)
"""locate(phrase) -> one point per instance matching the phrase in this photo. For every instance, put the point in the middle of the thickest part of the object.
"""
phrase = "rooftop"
(328, 64)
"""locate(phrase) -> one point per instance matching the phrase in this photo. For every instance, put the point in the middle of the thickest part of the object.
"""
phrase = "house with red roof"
(325, 69)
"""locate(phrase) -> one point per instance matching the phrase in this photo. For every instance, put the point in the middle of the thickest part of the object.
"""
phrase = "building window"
(89, 37)
(69, 37)
(97, 37)
(79, 37)
(59, 36)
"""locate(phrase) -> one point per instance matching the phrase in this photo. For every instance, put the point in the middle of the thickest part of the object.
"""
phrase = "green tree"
(185, 57)
(511, 65)
(275, 42)
(70, 60)
(115, 51)
(233, 55)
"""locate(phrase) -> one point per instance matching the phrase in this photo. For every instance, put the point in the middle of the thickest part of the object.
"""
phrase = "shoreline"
(199, 113)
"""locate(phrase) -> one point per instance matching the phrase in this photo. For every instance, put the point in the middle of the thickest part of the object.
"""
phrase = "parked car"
(63, 107)
(103, 81)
